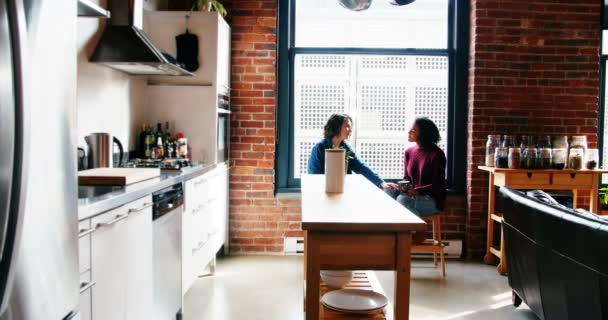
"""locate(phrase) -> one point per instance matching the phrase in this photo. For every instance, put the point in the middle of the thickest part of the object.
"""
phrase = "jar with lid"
(514, 158)
(591, 159)
(544, 158)
(491, 144)
(528, 158)
(501, 157)
(575, 160)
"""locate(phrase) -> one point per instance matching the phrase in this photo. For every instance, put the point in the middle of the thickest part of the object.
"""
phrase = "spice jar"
(501, 157)
(514, 158)
(544, 158)
(575, 160)
(491, 144)
(559, 158)
(591, 159)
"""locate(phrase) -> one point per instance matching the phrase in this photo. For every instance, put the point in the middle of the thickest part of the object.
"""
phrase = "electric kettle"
(100, 150)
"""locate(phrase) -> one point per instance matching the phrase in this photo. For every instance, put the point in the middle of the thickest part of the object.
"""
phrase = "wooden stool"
(434, 245)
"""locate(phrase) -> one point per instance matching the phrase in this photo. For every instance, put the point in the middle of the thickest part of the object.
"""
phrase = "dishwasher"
(167, 230)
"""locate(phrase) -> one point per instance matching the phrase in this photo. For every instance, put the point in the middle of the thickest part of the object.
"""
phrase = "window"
(603, 115)
(383, 66)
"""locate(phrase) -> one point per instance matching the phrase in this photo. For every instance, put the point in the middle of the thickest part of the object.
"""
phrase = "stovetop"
(164, 164)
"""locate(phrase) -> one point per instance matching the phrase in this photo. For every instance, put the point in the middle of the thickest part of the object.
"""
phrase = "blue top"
(316, 162)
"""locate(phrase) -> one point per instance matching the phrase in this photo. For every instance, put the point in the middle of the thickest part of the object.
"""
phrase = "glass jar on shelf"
(591, 159)
(575, 159)
(501, 157)
(514, 158)
(508, 141)
(543, 142)
(559, 158)
(544, 158)
(528, 158)
(560, 142)
(491, 144)
(579, 142)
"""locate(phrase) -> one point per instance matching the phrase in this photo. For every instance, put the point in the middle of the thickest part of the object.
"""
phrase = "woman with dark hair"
(424, 166)
(336, 130)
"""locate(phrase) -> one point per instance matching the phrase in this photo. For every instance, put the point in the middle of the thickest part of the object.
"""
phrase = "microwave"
(223, 125)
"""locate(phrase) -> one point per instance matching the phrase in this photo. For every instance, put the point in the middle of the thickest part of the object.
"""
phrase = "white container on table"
(335, 170)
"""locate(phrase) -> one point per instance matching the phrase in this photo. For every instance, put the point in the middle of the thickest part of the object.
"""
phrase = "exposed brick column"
(534, 69)
(258, 222)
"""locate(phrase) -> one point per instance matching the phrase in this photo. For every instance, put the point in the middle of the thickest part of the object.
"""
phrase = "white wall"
(108, 100)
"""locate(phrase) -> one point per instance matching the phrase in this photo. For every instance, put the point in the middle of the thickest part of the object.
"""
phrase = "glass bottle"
(543, 142)
(591, 159)
(491, 144)
(508, 141)
(578, 142)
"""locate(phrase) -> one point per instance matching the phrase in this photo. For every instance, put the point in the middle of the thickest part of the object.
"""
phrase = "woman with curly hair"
(337, 129)
(424, 166)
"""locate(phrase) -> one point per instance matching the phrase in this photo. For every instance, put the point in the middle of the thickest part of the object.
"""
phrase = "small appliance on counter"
(100, 150)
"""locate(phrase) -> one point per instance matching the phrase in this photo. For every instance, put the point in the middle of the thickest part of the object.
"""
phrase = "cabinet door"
(223, 54)
(108, 255)
(139, 259)
(86, 289)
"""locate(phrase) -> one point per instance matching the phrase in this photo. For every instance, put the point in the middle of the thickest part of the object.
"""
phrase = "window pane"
(605, 133)
(325, 23)
(383, 94)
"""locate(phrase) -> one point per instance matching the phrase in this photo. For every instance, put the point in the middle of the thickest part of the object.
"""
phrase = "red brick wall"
(534, 69)
(258, 221)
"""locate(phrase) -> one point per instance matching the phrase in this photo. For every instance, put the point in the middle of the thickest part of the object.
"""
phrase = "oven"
(223, 125)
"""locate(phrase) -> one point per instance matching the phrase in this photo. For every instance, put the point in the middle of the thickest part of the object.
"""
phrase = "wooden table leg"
(593, 207)
(574, 198)
(402, 276)
(502, 266)
(312, 275)
(489, 258)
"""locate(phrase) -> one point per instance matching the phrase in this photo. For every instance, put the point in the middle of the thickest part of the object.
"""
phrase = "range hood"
(125, 47)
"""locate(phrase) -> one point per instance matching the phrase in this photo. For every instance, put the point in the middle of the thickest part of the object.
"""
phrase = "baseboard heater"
(453, 248)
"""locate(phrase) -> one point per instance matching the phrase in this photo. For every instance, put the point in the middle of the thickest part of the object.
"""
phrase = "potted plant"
(209, 5)
(603, 195)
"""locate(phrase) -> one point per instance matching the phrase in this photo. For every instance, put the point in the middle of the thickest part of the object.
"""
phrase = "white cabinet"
(120, 263)
(204, 222)
(213, 40)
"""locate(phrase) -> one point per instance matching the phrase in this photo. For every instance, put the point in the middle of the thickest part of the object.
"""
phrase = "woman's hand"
(389, 185)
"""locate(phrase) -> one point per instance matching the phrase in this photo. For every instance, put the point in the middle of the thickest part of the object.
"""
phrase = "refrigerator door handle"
(12, 17)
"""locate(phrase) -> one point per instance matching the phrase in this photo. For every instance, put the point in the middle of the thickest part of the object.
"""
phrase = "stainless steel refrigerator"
(38, 178)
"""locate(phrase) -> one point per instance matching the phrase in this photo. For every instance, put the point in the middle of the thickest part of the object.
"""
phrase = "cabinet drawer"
(84, 245)
(86, 312)
(522, 178)
(575, 179)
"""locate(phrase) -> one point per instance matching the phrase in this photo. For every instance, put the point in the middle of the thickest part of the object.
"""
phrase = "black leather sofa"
(557, 257)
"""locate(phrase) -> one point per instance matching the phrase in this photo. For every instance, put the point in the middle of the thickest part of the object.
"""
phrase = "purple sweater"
(425, 168)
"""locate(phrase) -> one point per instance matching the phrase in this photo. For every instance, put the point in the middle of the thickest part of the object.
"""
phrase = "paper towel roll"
(335, 170)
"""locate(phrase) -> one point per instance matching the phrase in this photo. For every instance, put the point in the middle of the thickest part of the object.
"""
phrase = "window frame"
(456, 52)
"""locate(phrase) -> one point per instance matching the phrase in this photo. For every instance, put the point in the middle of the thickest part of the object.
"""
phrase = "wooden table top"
(362, 207)
(494, 169)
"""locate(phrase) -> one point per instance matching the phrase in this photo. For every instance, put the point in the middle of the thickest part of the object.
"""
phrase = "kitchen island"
(360, 229)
